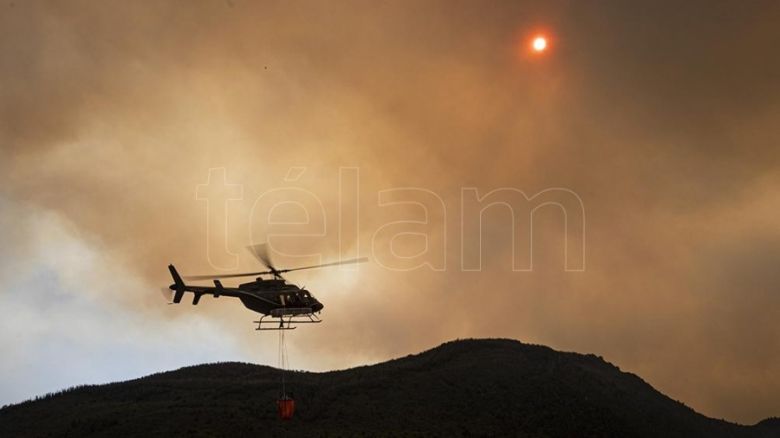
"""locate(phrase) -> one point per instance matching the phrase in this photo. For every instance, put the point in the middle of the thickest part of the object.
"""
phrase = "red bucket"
(286, 407)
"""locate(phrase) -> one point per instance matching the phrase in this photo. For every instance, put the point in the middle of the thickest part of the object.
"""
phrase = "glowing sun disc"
(539, 44)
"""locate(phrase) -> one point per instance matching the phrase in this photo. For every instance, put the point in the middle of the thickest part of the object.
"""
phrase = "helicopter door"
(281, 298)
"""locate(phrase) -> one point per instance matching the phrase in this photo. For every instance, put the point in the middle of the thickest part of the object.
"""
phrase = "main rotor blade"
(260, 251)
(217, 276)
(342, 262)
(274, 271)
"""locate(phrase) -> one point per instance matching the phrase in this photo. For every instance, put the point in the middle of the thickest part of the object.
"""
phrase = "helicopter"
(274, 297)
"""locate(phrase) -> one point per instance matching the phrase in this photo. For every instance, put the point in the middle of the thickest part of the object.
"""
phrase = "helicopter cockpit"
(300, 298)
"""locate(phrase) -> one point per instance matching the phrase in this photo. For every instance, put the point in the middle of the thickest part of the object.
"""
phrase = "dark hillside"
(472, 387)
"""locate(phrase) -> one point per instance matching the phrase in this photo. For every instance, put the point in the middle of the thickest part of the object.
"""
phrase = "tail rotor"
(167, 293)
(178, 284)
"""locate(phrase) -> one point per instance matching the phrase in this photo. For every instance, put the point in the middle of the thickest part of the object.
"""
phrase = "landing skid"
(286, 323)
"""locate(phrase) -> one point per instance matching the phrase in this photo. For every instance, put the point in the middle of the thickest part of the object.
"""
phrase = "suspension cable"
(282, 361)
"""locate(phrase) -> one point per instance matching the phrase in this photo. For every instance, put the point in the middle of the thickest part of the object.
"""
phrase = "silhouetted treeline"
(462, 388)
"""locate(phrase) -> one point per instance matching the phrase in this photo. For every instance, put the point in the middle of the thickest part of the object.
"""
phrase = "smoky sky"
(660, 116)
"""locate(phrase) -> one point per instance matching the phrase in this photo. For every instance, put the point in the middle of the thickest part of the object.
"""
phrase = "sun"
(539, 44)
(536, 44)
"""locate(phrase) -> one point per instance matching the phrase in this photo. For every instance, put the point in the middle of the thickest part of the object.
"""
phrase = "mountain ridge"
(463, 387)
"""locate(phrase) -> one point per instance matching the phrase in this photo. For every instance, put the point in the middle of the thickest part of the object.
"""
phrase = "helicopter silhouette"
(274, 297)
